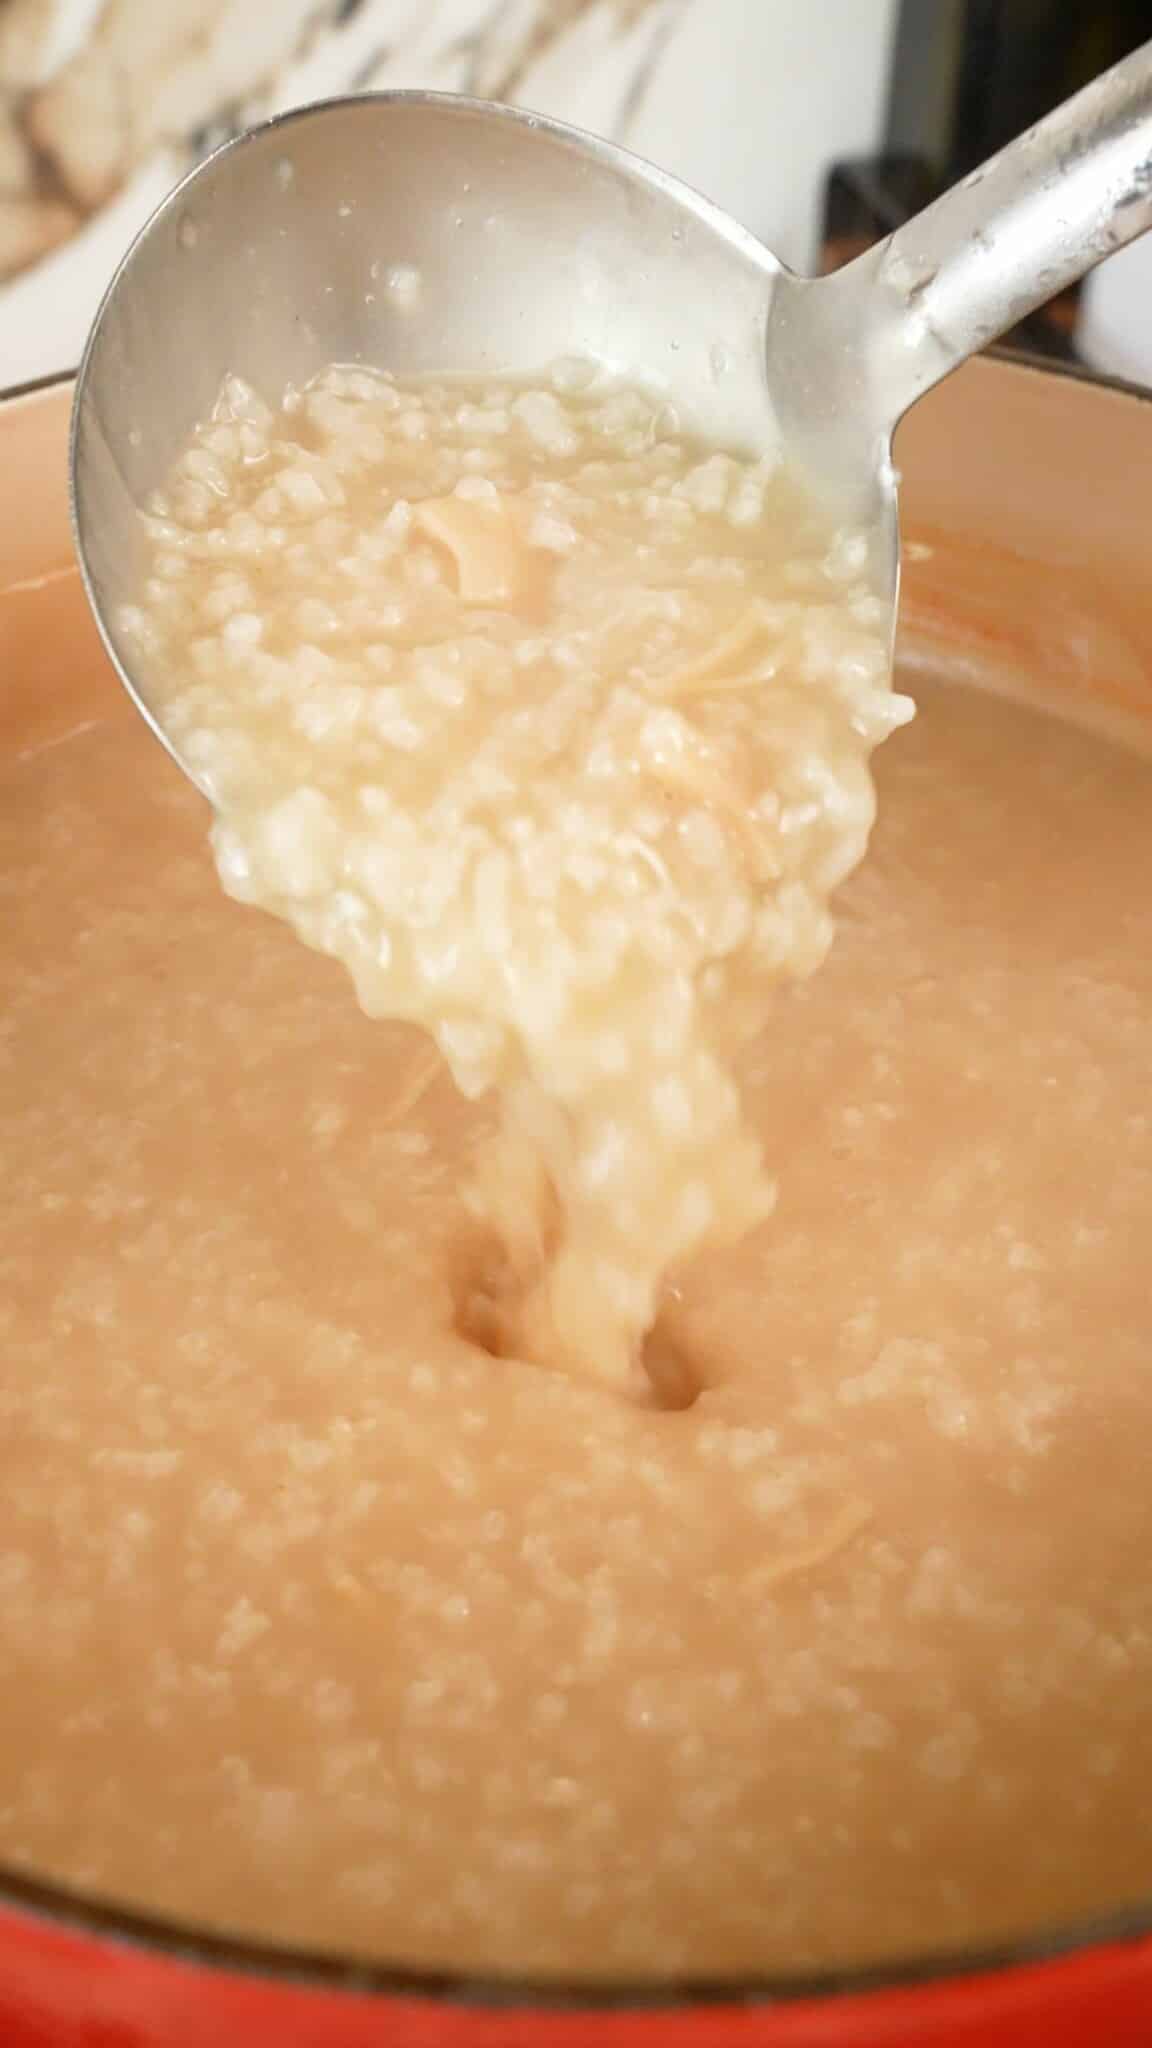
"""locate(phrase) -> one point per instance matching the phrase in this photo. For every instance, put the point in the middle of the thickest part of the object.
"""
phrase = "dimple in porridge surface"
(553, 726)
(321, 1622)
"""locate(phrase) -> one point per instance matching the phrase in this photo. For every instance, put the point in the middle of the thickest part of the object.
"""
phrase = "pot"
(1027, 571)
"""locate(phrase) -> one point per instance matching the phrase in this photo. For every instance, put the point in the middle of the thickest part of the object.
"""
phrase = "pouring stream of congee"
(553, 726)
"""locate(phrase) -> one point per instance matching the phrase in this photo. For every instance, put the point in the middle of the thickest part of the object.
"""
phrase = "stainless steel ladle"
(422, 233)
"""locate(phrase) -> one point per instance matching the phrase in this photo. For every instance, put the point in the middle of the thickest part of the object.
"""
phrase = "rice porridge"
(554, 728)
(450, 1514)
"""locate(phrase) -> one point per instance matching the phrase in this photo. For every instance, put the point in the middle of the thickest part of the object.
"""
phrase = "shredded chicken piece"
(706, 786)
(848, 1524)
(421, 1075)
(707, 671)
(484, 538)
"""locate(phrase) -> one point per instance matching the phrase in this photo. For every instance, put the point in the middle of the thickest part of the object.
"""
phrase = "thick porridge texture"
(554, 727)
(446, 1518)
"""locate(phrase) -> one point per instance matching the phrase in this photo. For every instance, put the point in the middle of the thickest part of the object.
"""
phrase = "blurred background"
(819, 123)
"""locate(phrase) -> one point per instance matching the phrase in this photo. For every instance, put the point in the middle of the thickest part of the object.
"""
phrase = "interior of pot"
(1024, 573)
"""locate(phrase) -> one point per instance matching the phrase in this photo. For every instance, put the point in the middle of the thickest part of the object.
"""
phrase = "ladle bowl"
(425, 233)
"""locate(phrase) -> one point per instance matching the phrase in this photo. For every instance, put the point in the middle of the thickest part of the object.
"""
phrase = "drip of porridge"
(553, 726)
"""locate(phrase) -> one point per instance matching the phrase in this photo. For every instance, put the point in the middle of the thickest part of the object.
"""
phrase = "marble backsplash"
(104, 103)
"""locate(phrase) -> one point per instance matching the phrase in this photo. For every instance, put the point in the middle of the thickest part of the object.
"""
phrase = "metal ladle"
(426, 233)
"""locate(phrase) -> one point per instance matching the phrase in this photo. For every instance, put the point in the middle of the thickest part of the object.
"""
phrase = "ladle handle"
(1010, 236)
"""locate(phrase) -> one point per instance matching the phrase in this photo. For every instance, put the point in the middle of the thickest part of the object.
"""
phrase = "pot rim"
(322, 1969)
(1025, 360)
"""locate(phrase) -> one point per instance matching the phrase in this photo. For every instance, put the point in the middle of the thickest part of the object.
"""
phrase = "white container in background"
(1115, 330)
(749, 100)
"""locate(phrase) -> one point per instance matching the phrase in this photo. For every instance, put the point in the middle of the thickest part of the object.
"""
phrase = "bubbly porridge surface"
(324, 1624)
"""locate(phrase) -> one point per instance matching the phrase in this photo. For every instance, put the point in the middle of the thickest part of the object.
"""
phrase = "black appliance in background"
(968, 76)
